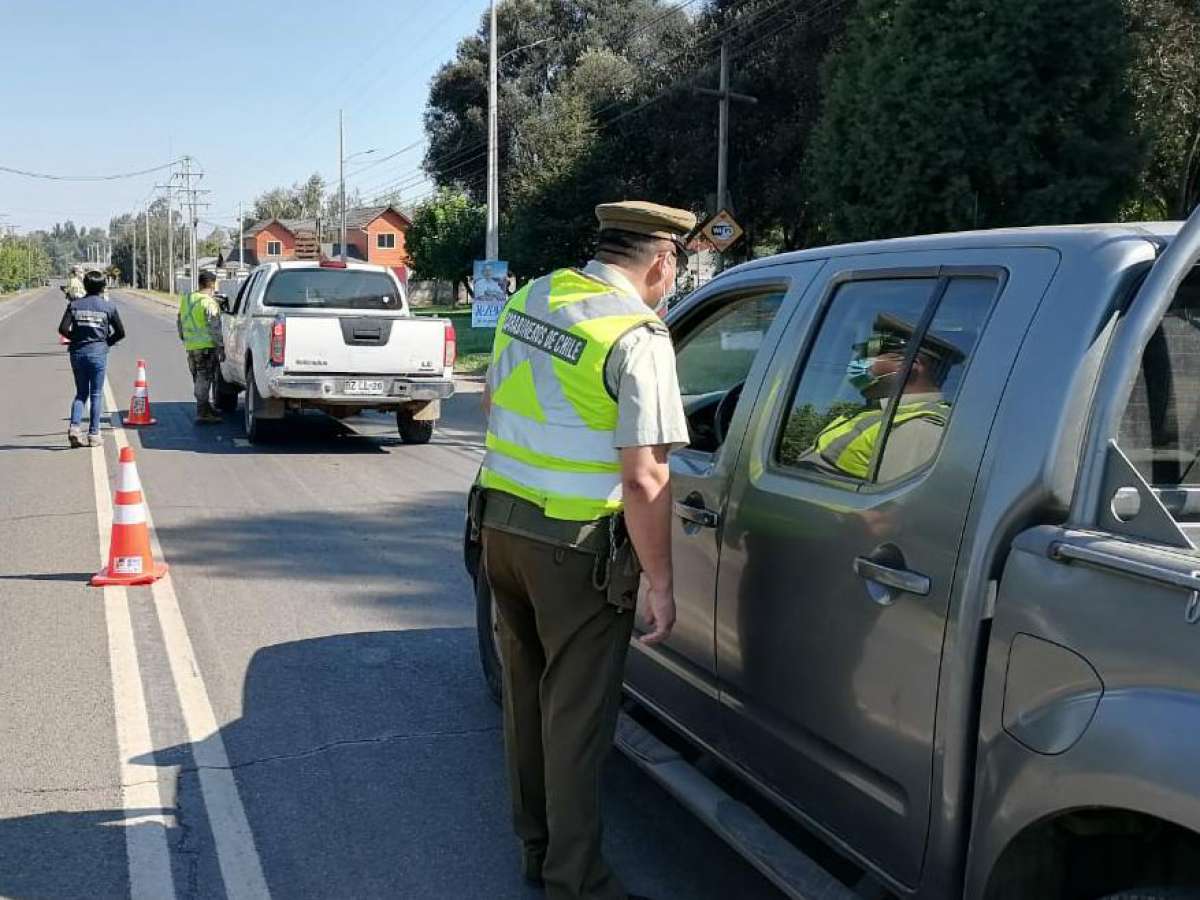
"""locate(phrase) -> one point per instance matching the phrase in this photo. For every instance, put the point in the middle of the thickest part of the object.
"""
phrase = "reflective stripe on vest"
(194, 321)
(550, 432)
(848, 442)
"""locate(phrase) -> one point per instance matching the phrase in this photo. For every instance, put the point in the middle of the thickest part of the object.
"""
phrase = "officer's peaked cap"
(650, 219)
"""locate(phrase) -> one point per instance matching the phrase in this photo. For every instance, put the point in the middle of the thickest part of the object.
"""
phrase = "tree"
(947, 114)
(23, 262)
(1166, 86)
(446, 237)
(555, 34)
(212, 245)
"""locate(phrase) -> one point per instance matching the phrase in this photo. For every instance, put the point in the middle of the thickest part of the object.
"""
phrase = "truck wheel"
(226, 394)
(256, 428)
(413, 431)
(489, 637)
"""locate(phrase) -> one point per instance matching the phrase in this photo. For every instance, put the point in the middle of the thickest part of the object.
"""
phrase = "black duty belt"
(504, 512)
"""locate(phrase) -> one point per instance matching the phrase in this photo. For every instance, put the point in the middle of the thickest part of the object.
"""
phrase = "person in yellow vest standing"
(199, 327)
(573, 502)
(74, 288)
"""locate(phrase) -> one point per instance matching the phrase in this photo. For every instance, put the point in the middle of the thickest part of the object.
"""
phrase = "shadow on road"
(50, 576)
(402, 556)
(68, 855)
(368, 765)
(304, 433)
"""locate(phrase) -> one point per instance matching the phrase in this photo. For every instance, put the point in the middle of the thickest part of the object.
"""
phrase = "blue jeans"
(89, 363)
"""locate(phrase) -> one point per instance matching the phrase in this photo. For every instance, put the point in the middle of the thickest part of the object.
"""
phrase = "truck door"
(842, 533)
(231, 334)
(723, 338)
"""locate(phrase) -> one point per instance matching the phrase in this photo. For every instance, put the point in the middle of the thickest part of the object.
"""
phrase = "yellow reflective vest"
(848, 442)
(550, 430)
(195, 311)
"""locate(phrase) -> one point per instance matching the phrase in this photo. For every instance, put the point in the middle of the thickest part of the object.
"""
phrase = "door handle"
(693, 510)
(899, 579)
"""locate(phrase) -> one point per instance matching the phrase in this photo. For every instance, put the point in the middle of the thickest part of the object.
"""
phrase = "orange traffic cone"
(130, 561)
(139, 406)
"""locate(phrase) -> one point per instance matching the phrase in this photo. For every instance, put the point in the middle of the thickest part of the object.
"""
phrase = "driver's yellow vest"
(550, 431)
(194, 312)
(848, 442)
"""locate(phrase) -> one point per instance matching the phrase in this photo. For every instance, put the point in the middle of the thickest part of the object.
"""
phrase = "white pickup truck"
(336, 337)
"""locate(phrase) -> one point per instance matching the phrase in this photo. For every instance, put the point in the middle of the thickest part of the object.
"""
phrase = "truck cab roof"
(1069, 239)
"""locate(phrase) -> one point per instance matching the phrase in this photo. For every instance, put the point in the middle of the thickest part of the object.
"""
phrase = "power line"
(117, 177)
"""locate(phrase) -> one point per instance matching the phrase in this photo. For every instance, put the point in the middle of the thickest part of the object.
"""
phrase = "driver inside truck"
(847, 445)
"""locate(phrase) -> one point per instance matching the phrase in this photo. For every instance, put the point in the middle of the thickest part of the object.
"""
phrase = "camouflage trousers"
(203, 366)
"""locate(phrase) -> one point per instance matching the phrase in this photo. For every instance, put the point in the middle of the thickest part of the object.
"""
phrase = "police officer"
(846, 445)
(74, 288)
(199, 327)
(91, 324)
(584, 408)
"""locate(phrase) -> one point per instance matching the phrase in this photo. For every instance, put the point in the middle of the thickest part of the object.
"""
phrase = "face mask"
(859, 374)
(660, 308)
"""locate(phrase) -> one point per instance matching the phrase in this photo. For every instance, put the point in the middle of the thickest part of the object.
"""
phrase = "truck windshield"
(332, 289)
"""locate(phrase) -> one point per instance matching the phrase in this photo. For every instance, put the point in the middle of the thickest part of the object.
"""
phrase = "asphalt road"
(317, 617)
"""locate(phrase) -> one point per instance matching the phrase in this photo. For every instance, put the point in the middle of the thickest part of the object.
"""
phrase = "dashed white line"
(237, 856)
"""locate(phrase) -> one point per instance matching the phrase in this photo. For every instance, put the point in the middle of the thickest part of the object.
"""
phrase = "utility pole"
(190, 192)
(133, 274)
(492, 248)
(149, 256)
(724, 95)
(170, 234)
(342, 186)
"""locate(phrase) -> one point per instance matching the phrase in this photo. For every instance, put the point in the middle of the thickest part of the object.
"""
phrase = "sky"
(249, 90)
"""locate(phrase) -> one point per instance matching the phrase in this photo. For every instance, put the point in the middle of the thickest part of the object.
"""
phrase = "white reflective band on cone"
(127, 478)
(134, 514)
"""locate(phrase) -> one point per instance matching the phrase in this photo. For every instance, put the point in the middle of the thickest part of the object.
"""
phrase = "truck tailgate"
(366, 345)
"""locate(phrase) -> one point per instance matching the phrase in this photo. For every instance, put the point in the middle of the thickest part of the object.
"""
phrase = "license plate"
(360, 386)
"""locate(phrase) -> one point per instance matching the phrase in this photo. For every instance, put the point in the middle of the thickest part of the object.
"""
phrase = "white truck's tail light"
(278, 340)
(451, 346)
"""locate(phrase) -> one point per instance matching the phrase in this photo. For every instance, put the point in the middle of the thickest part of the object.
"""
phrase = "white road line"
(18, 304)
(241, 868)
(145, 826)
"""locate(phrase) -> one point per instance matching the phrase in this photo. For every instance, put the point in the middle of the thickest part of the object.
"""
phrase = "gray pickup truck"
(936, 570)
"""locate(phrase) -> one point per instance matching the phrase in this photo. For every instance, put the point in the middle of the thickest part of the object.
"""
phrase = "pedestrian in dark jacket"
(91, 324)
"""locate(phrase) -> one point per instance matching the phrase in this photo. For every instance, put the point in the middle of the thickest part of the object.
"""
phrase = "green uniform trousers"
(563, 647)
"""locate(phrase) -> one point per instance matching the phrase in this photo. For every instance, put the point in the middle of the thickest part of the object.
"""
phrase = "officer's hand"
(658, 609)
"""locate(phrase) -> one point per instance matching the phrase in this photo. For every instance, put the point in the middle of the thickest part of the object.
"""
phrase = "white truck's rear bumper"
(397, 389)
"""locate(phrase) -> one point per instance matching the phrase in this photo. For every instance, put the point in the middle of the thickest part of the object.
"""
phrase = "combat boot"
(208, 416)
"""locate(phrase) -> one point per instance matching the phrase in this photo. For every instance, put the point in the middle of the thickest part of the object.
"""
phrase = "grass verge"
(474, 344)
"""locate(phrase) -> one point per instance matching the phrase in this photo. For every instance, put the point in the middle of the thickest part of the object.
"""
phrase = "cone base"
(131, 423)
(104, 579)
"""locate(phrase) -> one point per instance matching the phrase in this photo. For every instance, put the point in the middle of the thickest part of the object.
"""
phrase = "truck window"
(1160, 430)
(879, 385)
(714, 357)
(332, 289)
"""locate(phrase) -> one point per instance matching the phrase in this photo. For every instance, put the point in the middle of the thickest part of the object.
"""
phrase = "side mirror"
(222, 302)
